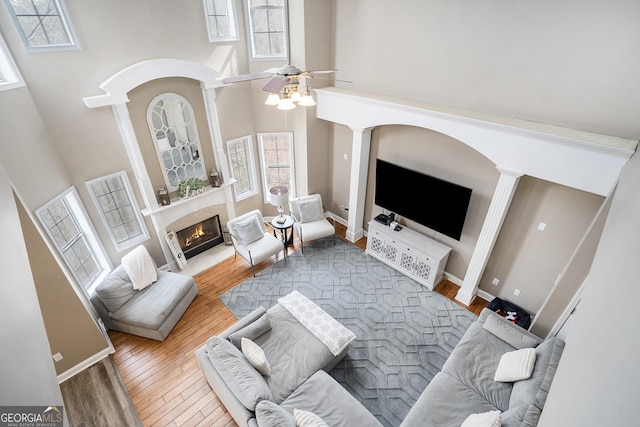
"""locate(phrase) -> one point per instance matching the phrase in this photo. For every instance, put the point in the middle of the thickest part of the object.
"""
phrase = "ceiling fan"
(285, 89)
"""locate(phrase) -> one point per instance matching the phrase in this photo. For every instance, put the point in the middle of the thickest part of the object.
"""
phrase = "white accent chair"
(251, 240)
(311, 221)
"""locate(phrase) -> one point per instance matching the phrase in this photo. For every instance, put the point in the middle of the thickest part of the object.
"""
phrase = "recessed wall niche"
(142, 96)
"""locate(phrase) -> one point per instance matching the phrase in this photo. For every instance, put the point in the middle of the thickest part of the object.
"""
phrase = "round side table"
(283, 228)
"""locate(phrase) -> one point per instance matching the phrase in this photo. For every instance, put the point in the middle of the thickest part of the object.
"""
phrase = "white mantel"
(582, 160)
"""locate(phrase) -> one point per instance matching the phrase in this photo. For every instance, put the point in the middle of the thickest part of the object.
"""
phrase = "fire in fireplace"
(199, 237)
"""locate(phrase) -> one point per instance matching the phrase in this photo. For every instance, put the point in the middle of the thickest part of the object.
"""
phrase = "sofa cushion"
(268, 414)
(445, 402)
(246, 384)
(474, 361)
(325, 397)
(252, 330)
(150, 307)
(255, 356)
(485, 419)
(516, 365)
(292, 351)
(116, 289)
(535, 389)
(506, 332)
(521, 416)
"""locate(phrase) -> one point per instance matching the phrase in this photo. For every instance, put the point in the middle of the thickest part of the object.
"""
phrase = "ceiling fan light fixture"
(272, 99)
(295, 96)
(306, 100)
(286, 104)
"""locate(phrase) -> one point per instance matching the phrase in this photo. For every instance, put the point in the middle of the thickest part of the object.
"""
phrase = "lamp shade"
(279, 195)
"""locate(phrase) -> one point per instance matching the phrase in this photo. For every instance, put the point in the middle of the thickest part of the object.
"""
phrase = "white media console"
(414, 254)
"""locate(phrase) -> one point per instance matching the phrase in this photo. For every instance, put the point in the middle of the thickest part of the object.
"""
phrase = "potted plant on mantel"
(191, 187)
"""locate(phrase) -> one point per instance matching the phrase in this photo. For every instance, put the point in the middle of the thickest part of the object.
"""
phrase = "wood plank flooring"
(164, 380)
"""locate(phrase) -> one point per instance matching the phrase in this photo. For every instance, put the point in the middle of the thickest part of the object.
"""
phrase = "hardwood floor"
(164, 380)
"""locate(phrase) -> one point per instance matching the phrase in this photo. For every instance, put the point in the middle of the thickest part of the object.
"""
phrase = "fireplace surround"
(200, 236)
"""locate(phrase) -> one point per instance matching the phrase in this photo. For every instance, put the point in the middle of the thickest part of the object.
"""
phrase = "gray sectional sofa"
(298, 360)
(466, 386)
(151, 312)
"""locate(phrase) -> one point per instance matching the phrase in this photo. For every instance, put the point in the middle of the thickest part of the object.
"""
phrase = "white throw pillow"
(516, 365)
(308, 419)
(485, 419)
(249, 230)
(310, 210)
(255, 356)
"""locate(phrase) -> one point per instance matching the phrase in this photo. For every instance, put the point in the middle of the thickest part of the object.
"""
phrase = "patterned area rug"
(404, 331)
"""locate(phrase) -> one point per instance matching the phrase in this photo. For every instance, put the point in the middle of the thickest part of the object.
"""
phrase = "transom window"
(173, 127)
(240, 153)
(42, 24)
(71, 232)
(221, 20)
(114, 199)
(267, 28)
(276, 155)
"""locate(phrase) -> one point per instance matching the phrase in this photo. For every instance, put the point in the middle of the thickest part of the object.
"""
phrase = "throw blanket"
(324, 327)
(140, 268)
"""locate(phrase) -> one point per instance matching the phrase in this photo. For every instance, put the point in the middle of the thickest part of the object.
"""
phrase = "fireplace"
(201, 236)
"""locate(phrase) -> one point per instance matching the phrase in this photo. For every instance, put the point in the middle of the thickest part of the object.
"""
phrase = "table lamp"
(279, 196)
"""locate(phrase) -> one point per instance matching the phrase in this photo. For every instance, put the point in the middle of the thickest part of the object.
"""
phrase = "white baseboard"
(85, 364)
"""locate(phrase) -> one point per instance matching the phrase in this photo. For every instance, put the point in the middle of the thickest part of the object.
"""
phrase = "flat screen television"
(437, 204)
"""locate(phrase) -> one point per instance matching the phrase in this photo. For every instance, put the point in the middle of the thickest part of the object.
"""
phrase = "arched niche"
(116, 95)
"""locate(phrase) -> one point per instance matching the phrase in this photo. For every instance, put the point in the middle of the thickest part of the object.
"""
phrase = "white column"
(358, 183)
(135, 155)
(498, 209)
(209, 96)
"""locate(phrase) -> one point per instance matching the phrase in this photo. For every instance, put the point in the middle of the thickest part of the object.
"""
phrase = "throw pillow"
(255, 356)
(249, 230)
(310, 210)
(269, 414)
(516, 365)
(244, 381)
(308, 419)
(252, 331)
(485, 419)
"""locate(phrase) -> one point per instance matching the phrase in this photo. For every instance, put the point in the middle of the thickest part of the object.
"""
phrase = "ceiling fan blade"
(329, 78)
(246, 77)
(320, 71)
(276, 84)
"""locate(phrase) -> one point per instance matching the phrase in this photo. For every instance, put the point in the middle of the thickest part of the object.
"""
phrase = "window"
(276, 155)
(68, 227)
(267, 26)
(42, 24)
(221, 20)
(10, 77)
(240, 153)
(173, 127)
(114, 199)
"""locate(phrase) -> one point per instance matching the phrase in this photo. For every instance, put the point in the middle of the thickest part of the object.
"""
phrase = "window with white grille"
(267, 26)
(118, 209)
(221, 20)
(276, 156)
(42, 24)
(72, 234)
(240, 152)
